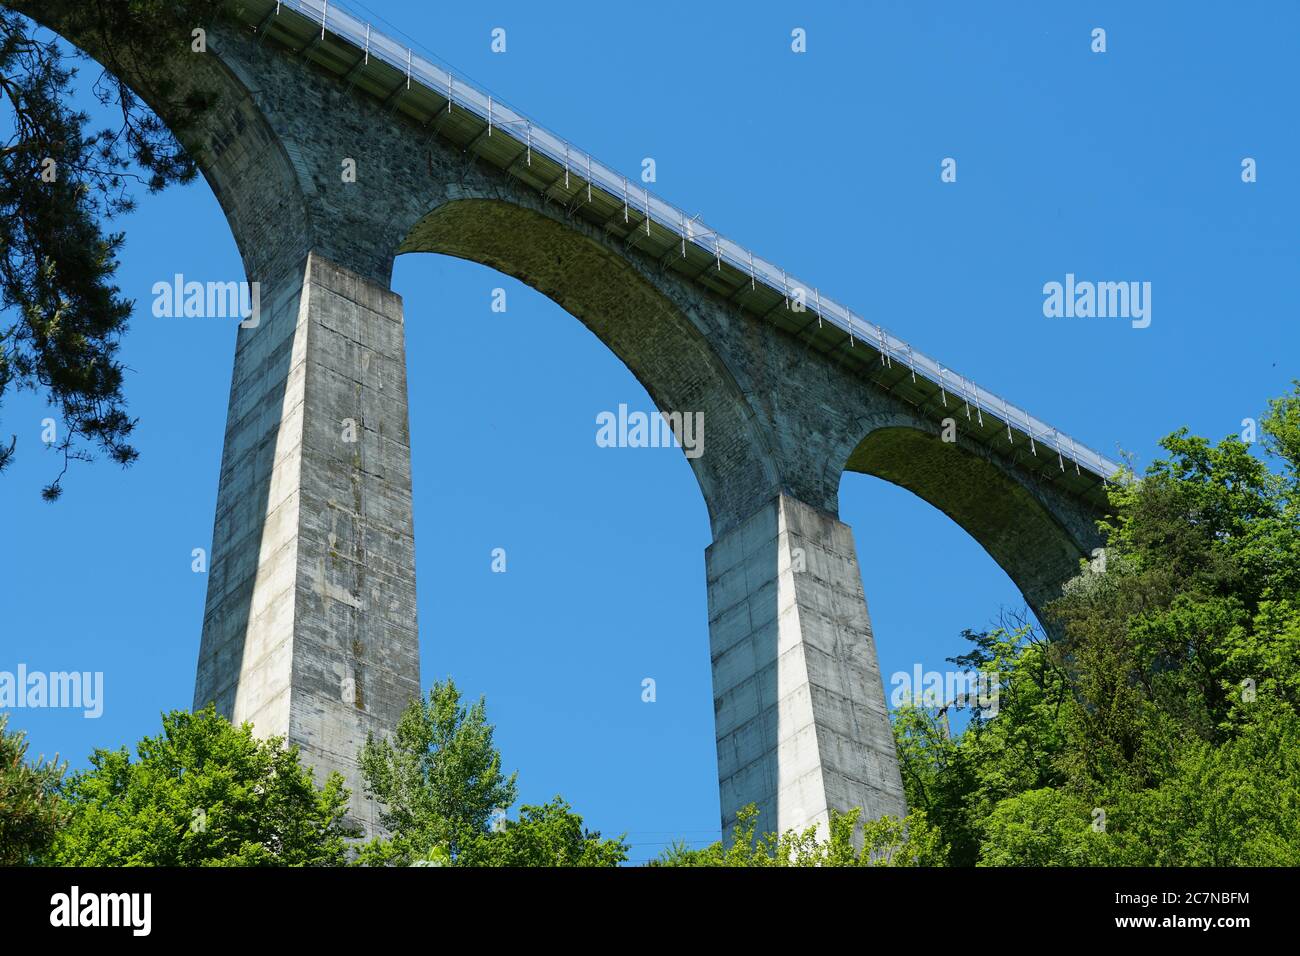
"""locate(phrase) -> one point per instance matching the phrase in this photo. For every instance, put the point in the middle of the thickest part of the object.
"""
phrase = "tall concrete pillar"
(310, 626)
(799, 704)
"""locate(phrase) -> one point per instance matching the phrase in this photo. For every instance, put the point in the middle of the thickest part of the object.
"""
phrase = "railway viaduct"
(310, 630)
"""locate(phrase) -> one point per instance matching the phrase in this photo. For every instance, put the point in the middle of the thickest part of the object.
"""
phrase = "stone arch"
(240, 156)
(635, 317)
(1034, 532)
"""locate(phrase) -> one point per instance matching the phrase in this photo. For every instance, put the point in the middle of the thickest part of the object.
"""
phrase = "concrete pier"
(310, 627)
(799, 703)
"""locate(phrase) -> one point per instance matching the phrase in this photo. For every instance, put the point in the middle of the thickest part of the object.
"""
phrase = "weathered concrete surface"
(310, 628)
(328, 532)
(799, 704)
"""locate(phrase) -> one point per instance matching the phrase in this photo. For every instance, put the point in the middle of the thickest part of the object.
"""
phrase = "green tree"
(440, 782)
(30, 810)
(546, 835)
(439, 779)
(203, 793)
(1163, 726)
(61, 315)
(1234, 804)
(1046, 827)
(888, 841)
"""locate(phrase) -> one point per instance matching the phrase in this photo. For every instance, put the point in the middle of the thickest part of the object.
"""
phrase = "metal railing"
(637, 198)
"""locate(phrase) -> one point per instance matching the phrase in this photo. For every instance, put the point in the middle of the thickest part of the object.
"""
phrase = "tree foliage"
(1163, 726)
(439, 779)
(888, 841)
(546, 835)
(202, 793)
(30, 810)
(440, 784)
(61, 314)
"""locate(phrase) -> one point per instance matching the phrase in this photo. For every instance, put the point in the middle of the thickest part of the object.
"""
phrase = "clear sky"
(1116, 166)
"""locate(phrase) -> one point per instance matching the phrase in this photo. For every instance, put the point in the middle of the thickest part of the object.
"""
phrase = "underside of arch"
(634, 317)
(1008, 520)
(239, 155)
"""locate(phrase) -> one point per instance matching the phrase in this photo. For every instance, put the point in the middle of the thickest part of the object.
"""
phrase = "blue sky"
(1117, 166)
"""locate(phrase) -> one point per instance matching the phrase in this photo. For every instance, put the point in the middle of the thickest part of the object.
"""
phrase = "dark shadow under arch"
(1012, 523)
